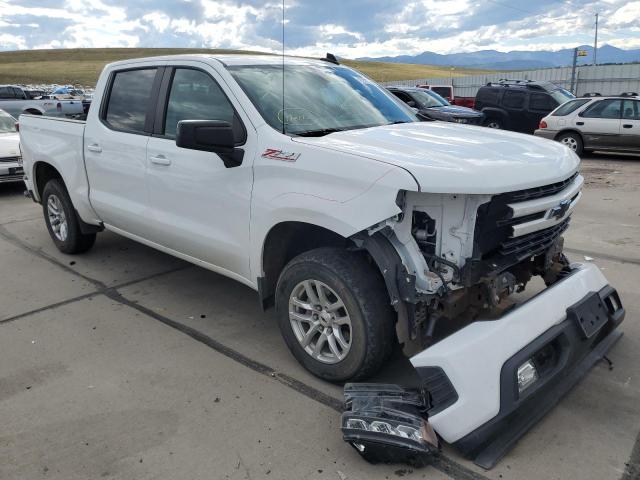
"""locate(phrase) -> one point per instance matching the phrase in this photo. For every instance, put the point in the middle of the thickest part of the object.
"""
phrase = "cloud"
(352, 28)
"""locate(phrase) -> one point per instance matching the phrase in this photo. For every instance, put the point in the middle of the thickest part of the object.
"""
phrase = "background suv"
(596, 123)
(519, 105)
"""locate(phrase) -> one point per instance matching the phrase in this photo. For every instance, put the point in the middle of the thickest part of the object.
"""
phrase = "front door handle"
(579, 123)
(94, 147)
(160, 160)
(627, 125)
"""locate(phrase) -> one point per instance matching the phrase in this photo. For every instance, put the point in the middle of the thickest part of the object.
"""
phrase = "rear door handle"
(627, 125)
(579, 123)
(94, 147)
(160, 160)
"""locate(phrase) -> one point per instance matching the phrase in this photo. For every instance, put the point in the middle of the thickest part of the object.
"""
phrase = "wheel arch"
(569, 130)
(283, 242)
(42, 173)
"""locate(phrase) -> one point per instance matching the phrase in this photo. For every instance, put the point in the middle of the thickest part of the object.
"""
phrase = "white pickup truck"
(364, 226)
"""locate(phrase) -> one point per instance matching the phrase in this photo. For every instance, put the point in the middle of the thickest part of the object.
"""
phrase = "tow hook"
(388, 424)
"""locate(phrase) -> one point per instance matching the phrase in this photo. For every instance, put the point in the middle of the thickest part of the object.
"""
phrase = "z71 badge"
(275, 154)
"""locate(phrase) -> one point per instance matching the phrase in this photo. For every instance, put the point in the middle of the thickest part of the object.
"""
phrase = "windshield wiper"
(320, 132)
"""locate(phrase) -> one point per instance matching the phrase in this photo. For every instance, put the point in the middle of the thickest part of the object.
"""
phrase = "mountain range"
(517, 59)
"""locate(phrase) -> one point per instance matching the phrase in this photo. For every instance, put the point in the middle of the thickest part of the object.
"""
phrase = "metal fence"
(604, 79)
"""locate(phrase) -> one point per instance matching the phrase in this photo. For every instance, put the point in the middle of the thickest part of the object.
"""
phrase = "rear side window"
(129, 99)
(513, 99)
(631, 110)
(7, 92)
(488, 95)
(603, 109)
(442, 91)
(569, 107)
(195, 96)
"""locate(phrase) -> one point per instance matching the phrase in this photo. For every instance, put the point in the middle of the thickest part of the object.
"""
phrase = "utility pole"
(595, 44)
(573, 70)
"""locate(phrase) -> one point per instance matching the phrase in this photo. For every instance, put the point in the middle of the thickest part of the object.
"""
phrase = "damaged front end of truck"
(492, 363)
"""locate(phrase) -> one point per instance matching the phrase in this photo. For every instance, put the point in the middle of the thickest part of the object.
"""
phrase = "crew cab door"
(115, 148)
(199, 206)
(600, 124)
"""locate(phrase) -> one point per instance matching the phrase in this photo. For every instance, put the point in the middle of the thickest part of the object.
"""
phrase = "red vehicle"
(446, 91)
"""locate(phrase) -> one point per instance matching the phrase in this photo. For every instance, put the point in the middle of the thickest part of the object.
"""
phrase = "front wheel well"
(43, 173)
(285, 241)
(32, 111)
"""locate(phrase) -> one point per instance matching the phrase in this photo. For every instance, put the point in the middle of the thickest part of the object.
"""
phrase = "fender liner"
(401, 285)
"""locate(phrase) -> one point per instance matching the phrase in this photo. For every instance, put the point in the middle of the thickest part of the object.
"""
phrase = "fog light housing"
(527, 375)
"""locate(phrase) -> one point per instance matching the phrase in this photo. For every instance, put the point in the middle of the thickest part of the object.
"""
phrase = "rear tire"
(62, 220)
(573, 141)
(363, 328)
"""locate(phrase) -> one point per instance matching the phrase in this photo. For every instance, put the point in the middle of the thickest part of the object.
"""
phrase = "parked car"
(363, 225)
(447, 92)
(10, 159)
(431, 105)
(15, 101)
(519, 105)
(596, 123)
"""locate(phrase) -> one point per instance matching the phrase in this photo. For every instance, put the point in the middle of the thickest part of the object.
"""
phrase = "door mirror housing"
(412, 104)
(210, 136)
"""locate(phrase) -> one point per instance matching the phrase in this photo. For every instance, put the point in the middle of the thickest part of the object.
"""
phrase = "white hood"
(451, 158)
(9, 145)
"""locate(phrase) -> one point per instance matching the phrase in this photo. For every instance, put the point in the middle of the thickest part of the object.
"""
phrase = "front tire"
(334, 314)
(62, 221)
(494, 123)
(573, 141)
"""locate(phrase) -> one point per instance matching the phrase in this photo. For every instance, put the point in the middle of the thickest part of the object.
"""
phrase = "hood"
(9, 145)
(455, 111)
(452, 158)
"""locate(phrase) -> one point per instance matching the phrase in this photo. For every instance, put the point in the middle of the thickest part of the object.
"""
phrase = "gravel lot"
(127, 363)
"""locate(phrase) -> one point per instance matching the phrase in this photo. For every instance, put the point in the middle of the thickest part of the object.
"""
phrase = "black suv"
(519, 105)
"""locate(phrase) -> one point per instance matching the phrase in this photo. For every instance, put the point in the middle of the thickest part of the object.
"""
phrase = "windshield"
(7, 123)
(561, 95)
(319, 99)
(429, 99)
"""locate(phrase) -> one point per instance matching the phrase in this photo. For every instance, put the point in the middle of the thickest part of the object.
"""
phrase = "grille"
(537, 192)
(533, 243)
(10, 159)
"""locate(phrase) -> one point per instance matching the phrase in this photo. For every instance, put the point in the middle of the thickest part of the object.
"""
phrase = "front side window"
(129, 99)
(561, 95)
(7, 123)
(541, 101)
(195, 95)
(631, 110)
(569, 107)
(513, 99)
(603, 109)
(318, 99)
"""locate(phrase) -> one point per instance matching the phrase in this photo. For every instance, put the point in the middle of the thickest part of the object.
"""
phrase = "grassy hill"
(82, 66)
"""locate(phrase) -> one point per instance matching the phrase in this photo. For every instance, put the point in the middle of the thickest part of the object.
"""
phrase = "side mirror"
(412, 104)
(210, 136)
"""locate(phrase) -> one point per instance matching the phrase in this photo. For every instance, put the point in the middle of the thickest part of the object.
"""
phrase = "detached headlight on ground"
(388, 424)
(527, 375)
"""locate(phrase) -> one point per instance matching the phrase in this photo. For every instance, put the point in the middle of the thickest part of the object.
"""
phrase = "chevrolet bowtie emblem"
(560, 210)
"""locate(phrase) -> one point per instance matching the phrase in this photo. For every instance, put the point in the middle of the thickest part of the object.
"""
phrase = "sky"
(348, 28)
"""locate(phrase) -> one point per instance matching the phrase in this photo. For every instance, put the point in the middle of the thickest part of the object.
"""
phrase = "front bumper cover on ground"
(472, 374)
